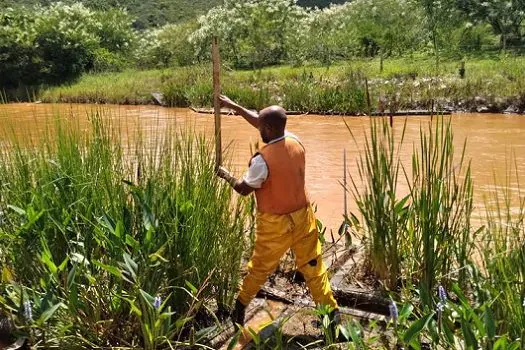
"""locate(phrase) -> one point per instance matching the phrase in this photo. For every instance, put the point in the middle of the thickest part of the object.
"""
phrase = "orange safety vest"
(284, 190)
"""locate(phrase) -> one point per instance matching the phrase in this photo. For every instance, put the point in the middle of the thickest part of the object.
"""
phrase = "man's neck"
(277, 138)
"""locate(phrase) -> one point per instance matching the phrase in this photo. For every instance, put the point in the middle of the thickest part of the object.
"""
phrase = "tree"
(505, 16)
(369, 27)
(56, 44)
(441, 17)
(256, 31)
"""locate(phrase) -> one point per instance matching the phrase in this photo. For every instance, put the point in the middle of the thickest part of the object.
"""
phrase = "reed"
(441, 207)
(501, 278)
(405, 83)
(385, 216)
(421, 238)
(116, 246)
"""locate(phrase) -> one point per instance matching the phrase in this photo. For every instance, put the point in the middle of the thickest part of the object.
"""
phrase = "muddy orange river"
(495, 143)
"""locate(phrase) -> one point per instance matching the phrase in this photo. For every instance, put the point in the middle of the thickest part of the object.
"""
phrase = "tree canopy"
(149, 13)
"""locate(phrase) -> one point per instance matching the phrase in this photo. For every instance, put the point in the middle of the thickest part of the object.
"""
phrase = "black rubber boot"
(238, 313)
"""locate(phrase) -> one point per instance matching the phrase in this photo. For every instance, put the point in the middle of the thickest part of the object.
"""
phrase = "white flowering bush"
(381, 27)
(55, 44)
(253, 33)
(166, 46)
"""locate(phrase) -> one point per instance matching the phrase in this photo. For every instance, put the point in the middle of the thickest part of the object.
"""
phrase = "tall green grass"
(114, 246)
(385, 216)
(501, 278)
(421, 238)
(441, 193)
(405, 83)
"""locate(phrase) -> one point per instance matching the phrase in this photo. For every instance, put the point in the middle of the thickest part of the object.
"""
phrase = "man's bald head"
(274, 117)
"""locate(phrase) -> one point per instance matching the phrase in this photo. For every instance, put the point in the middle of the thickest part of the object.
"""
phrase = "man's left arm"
(239, 186)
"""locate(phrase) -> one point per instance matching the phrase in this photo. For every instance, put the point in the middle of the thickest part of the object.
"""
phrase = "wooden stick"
(368, 97)
(216, 102)
(345, 183)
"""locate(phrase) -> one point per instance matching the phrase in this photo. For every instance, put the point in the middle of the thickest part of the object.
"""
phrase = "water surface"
(496, 142)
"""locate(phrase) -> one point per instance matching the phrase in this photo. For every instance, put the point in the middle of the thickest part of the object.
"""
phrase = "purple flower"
(394, 314)
(442, 294)
(157, 302)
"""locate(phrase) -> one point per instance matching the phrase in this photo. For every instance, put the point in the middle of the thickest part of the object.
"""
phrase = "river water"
(496, 143)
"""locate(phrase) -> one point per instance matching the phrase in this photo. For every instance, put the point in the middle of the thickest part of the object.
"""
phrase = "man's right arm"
(250, 116)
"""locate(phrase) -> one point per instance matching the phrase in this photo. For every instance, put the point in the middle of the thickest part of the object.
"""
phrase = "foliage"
(152, 14)
(404, 84)
(425, 235)
(58, 43)
(112, 246)
(257, 32)
(387, 28)
(505, 17)
(385, 216)
(166, 46)
(101, 37)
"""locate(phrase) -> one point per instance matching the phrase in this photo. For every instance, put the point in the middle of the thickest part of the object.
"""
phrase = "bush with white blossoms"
(166, 46)
(254, 32)
(55, 44)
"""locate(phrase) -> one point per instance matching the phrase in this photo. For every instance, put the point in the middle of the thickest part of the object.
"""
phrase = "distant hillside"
(156, 12)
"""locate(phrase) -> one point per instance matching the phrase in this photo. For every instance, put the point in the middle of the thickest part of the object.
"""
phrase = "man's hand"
(223, 173)
(250, 116)
(227, 102)
(239, 186)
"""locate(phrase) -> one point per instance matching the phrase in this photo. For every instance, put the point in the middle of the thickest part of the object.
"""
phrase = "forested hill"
(155, 12)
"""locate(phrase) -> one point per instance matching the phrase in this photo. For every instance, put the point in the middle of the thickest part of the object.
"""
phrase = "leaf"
(71, 276)
(63, 265)
(45, 257)
(131, 266)
(132, 242)
(17, 210)
(406, 311)
(401, 204)
(416, 328)
(181, 322)
(468, 334)
(134, 307)
(347, 332)
(501, 344)
(106, 222)
(111, 269)
(449, 334)
(7, 276)
(148, 298)
(355, 334)
(235, 340)
(255, 337)
(119, 229)
(192, 288)
(490, 324)
(46, 315)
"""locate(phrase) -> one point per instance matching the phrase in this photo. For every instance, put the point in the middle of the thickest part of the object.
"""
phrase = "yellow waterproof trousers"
(275, 235)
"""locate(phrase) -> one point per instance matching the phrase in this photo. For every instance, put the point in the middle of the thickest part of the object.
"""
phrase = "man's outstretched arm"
(240, 187)
(250, 116)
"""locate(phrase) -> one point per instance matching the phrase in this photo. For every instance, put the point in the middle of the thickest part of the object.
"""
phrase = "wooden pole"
(368, 97)
(345, 183)
(216, 102)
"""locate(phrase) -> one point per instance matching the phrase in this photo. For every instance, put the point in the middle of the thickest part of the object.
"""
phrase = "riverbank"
(353, 87)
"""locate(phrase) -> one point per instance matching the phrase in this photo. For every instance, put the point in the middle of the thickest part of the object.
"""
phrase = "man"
(285, 218)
